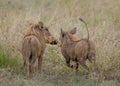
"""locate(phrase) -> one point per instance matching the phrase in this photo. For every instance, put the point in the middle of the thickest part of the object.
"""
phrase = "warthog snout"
(49, 38)
(54, 42)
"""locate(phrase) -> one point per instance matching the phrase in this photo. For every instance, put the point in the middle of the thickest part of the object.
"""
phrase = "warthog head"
(64, 36)
(47, 35)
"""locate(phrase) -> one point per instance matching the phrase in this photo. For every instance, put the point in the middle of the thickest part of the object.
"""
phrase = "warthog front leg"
(68, 62)
(76, 68)
(77, 65)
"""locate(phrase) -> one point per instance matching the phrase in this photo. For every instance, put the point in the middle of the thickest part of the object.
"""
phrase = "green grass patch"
(8, 60)
(13, 62)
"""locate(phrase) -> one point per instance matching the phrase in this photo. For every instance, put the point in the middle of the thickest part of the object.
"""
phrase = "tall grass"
(102, 17)
(11, 62)
(6, 59)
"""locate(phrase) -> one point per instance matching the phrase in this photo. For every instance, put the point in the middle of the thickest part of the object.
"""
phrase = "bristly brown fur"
(77, 50)
(34, 44)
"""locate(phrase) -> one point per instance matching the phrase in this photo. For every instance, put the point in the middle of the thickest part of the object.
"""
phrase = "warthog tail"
(86, 27)
(88, 35)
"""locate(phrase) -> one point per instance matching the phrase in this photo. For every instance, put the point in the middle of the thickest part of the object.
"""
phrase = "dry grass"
(103, 19)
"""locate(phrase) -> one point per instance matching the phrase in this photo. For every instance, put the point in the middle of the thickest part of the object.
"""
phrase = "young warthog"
(34, 44)
(76, 49)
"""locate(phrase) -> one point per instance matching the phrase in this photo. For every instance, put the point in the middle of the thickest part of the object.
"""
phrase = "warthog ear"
(73, 31)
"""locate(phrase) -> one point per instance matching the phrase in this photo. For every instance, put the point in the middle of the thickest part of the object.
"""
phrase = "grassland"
(103, 19)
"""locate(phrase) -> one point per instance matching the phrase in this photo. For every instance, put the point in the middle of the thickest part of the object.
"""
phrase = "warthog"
(34, 44)
(76, 49)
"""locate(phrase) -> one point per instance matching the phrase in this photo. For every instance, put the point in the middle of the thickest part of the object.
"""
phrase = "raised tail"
(88, 36)
(86, 27)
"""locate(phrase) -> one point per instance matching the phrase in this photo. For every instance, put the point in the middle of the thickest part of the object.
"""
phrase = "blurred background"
(102, 17)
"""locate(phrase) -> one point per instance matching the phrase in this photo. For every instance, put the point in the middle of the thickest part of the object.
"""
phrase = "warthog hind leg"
(93, 62)
(30, 64)
(40, 62)
(83, 64)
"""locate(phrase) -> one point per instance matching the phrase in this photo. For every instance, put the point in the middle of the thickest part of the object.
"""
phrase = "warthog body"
(76, 49)
(34, 44)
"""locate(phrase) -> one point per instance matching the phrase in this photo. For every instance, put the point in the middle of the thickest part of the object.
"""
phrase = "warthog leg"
(76, 68)
(68, 62)
(93, 62)
(77, 65)
(28, 68)
(83, 64)
(30, 64)
(40, 62)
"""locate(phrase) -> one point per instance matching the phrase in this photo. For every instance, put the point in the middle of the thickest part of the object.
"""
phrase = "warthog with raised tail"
(34, 44)
(76, 49)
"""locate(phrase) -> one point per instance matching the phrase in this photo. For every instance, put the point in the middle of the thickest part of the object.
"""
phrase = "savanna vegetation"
(103, 19)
